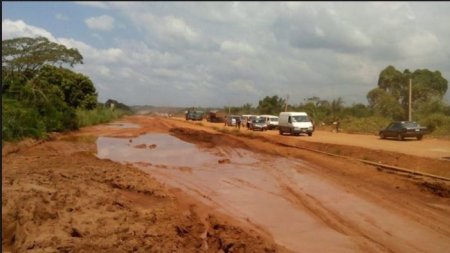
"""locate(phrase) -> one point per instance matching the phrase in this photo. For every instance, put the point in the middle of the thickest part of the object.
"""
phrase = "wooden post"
(410, 101)
(286, 104)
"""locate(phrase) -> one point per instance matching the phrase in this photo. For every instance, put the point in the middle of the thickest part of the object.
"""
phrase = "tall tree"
(393, 87)
(392, 81)
(271, 105)
(27, 55)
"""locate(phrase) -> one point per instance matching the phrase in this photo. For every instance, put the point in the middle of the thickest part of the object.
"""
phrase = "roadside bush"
(98, 115)
(20, 121)
(370, 125)
(437, 124)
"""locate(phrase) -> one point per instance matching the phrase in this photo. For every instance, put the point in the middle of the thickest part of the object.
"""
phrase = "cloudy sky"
(231, 53)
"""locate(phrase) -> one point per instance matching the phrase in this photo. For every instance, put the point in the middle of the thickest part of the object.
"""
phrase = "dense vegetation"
(40, 94)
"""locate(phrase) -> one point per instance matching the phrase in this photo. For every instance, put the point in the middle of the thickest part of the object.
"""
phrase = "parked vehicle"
(245, 119)
(402, 129)
(194, 115)
(272, 121)
(259, 124)
(250, 121)
(231, 120)
(295, 123)
(215, 116)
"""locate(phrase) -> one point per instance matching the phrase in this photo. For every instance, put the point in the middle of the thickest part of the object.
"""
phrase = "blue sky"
(231, 53)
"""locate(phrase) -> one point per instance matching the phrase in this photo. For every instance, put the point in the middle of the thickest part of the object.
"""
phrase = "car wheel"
(400, 137)
(419, 137)
(309, 134)
(280, 131)
(382, 136)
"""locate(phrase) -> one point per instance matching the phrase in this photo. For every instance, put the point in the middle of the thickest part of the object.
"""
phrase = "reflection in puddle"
(282, 196)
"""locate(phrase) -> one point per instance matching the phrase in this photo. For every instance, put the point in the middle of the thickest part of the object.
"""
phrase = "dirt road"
(221, 191)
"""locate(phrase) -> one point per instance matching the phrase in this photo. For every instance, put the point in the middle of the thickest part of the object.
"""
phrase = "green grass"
(98, 116)
(366, 125)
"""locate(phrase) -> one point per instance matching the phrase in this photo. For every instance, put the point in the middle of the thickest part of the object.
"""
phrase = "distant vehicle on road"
(246, 119)
(215, 116)
(194, 115)
(272, 121)
(295, 123)
(231, 120)
(251, 119)
(403, 129)
(259, 124)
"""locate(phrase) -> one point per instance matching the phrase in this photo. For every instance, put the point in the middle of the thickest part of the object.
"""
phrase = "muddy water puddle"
(123, 125)
(281, 196)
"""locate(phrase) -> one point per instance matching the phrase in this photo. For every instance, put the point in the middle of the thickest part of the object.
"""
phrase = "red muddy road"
(303, 201)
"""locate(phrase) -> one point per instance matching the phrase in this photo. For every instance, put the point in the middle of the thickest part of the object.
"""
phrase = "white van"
(295, 123)
(272, 121)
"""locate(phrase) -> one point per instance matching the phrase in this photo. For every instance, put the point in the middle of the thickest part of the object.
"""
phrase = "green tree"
(78, 90)
(393, 82)
(358, 110)
(271, 105)
(427, 86)
(27, 55)
(384, 104)
(247, 108)
(48, 100)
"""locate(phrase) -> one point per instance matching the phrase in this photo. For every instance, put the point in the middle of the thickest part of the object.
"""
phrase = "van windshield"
(300, 119)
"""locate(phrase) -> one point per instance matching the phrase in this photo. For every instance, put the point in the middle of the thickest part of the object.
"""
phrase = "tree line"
(40, 93)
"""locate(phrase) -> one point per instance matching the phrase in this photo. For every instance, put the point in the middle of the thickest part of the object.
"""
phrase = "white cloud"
(177, 27)
(12, 29)
(104, 23)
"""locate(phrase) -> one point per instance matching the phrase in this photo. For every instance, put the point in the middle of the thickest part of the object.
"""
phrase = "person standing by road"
(238, 122)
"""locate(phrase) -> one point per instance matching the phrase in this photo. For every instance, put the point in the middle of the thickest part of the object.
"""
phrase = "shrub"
(19, 121)
(98, 115)
(371, 124)
(437, 123)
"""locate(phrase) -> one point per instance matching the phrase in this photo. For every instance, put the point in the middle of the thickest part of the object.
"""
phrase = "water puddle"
(282, 196)
(123, 125)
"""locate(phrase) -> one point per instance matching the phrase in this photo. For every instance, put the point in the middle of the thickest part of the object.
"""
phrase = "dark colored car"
(259, 124)
(403, 129)
(194, 115)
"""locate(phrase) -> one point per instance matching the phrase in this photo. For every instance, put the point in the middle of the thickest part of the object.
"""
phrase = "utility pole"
(410, 101)
(286, 104)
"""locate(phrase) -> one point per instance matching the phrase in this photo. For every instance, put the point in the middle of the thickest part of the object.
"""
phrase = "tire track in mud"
(368, 234)
(416, 211)
(334, 221)
(329, 218)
